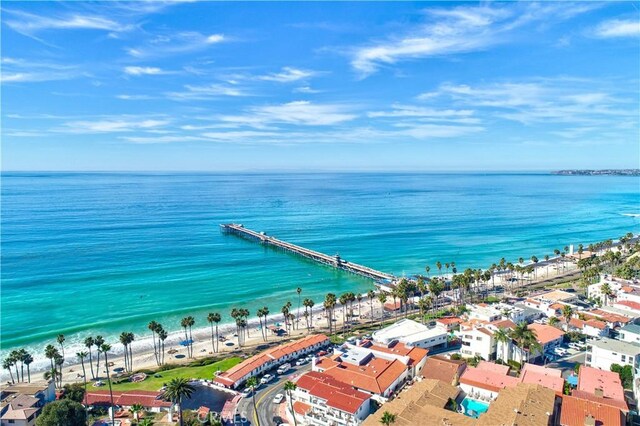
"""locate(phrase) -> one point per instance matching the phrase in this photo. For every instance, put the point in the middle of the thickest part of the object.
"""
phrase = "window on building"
(479, 338)
(624, 358)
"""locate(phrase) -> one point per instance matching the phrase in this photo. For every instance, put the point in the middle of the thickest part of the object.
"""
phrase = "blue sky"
(214, 86)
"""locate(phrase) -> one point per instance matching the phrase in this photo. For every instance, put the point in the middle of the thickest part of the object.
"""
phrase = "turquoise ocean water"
(105, 253)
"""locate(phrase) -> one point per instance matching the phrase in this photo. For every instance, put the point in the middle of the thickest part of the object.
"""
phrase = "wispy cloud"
(616, 28)
(209, 91)
(17, 70)
(30, 24)
(288, 75)
(112, 125)
(458, 30)
(132, 70)
(302, 113)
(175, 44)
(306, 89)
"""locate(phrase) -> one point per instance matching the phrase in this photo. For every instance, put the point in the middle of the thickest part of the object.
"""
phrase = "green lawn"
(155, 383)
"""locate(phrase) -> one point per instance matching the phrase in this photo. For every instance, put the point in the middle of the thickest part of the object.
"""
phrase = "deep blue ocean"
(104, 253)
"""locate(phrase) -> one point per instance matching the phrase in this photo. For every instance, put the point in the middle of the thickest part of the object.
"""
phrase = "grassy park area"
(153, 383)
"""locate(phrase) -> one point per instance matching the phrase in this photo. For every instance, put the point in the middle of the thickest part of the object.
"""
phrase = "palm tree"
(265, 313)
(214, 318)
(299, 291)
(60, 340)
(52, 354)
(606, 291)
(130, 339)
(259, 315)
(502, 336)
(252, 383)
(343, 303)
(567, 311)
(427, 269)
(89, 342)
(81, 356)
(136, 409)
(147, 421)
(308, 303)
(105, 348)
(371, 294)
(162, 336)
(153, 326)
(329, 305)
(289, 387)
(178, 389)
(20, 356)
(184, 323)
(124, 340)
(424, 305)
(359, 299)
(28, 359)
(439, 266)
(7, 364)
(387, 418)
(99, 341)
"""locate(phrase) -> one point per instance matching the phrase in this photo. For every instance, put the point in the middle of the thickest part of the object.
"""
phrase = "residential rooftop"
(590, 379)
(406, 330)
(579, 412)
(336, 394)
(615, 345)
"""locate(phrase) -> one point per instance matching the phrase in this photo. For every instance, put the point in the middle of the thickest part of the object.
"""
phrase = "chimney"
(599, 392)
(590, 421)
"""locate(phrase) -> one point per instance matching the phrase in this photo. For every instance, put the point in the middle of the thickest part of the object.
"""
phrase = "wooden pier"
(334, 261)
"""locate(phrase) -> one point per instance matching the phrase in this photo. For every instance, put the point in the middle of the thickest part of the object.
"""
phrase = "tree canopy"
(63, 412)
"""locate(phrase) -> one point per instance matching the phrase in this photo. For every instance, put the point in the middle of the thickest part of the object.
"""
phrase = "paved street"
(267, 410)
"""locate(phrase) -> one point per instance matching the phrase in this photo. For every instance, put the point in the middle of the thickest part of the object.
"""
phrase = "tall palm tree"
(502, 336)
(99, 341)
(105, 348)
(7, 364)
(51, 353)
(124, 340)
(214, 318)
(371, 295)
(28, 359)
(81, 356)
(265, 313)
(427, 269)
(289, 387)
(60, 339)
(88, 343)
(329, 304)
(439, 266)
(184, 323)
(191, 322)
(259, 315)
(424, 305)
(299, 291)
(606, 291)
(343, 302)
(382, 297)
(130, 339)
(307, 303)
(162, 336)
(153, 326)
(252, 383)
(21, 355)
(178, 389)
(387, 418)
(359, 299)
(567, 312)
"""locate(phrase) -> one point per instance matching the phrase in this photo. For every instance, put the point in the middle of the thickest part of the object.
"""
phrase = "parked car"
(284, 368)
(574, 345)
(301, 361)
(560, 351)
(247, 392)
(309, 358)
(322, 353)
(266, 379)
(278, 398)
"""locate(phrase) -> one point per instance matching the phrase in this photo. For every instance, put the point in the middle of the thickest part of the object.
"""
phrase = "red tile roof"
(546, 333)
(597, 324)
(415, 354)
(590, 379)
(237, 372)
(443, 369)
(301, 408)
(547, 377)
(376, 376)
(621, 405)
(574, 411)
(609, 317)
(449, 320)
(629, 304)
(487, 379)
(507, 324)
(337, 394)
(128, 398)
(577, 323)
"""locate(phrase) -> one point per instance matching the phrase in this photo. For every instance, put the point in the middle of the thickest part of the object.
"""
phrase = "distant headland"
(604, 172)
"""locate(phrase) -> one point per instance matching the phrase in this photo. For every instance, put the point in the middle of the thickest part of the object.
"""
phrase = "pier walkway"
(334, 261)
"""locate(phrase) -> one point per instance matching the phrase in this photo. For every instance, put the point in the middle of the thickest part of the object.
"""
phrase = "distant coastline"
(603, 172)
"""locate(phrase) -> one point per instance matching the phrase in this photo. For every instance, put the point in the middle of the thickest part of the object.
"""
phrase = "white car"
(575, 346)
(301, 361)
(247, 392)
(266, 379)
(560, 351)
(278, 398)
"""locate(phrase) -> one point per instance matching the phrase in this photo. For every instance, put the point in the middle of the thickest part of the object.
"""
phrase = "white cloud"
(618, 28)
(306, 89)
(175, 44)
(458, 30)
(134, 97)
(288, 75)
(28, 23)
(204, 92)
(215, 38)
(16, 70)
(143, 71)
(117, 124)
(414, 111)
(299, 113)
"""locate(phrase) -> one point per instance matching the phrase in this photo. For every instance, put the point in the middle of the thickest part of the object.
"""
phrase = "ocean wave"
(631, 214)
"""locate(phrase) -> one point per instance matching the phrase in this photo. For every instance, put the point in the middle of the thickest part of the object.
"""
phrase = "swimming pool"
(473, 407)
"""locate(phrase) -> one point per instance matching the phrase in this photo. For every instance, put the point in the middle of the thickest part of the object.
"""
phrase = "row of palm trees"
(21, 357)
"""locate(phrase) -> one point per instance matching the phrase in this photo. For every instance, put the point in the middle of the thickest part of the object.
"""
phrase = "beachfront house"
(412, 333)
(150, 400)
(413, 357)
(319, 399)
(604, 352)
(21, 403)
